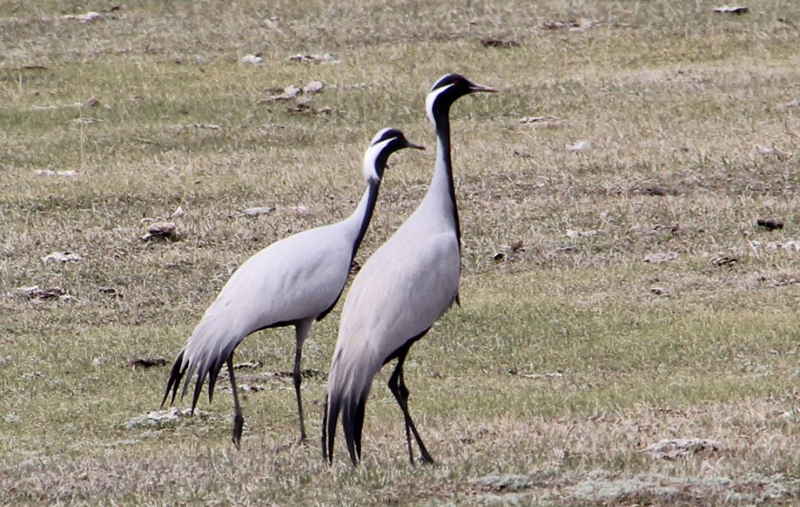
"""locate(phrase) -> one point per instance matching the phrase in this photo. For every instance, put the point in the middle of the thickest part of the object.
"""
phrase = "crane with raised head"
(400, 292)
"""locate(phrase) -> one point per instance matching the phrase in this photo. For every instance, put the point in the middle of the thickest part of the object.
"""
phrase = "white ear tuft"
(430, 100)
(371, 156)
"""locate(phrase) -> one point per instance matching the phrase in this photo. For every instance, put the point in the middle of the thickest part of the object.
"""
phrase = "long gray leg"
(394, 386)
(325, 429)
(238, 418)
(301, 332)
(398, 387)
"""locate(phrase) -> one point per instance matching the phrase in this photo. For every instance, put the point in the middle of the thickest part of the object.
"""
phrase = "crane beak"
(415, 146)
(480, 88)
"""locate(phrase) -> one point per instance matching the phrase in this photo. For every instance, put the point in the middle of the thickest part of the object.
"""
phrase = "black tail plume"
(348, 424)
(333, 407)
(198, 388)
(216, 367)
(353, 423)
(174, 381)
(359, 423)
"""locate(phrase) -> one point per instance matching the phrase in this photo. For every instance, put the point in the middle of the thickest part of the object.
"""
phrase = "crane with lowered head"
(292, 282)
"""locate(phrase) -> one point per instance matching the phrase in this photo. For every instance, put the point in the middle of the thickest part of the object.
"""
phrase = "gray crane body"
(294, 281)
(401, 291)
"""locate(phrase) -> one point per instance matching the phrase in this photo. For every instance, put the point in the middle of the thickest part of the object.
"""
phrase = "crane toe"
(238, 425)
(426, 459)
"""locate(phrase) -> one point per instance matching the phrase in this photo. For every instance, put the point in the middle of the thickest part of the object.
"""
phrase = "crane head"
(385, 142)
(446, 90)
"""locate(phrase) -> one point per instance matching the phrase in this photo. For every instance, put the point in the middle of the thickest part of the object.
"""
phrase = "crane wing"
(290, 280)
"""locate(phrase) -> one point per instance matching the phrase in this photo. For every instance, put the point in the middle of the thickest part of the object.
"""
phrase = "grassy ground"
(613, 296)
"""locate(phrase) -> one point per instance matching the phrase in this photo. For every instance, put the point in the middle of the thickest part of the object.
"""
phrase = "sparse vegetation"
(614, 294)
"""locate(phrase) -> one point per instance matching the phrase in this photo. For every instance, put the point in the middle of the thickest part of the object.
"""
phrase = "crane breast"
(402, 291)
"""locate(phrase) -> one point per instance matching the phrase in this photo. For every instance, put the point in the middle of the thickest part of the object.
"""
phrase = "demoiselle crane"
(292, 282)
(400, 292)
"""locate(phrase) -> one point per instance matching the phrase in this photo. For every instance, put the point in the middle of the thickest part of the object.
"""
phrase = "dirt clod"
(146, 362)
(491, 42)
(770, 224)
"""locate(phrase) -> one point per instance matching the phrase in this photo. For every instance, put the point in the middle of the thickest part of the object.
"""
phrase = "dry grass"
(570, 355)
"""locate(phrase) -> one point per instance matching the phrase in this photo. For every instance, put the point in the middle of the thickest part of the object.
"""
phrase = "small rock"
(161, 230)
(317, 58)
(160, 417)
(86, 121)
(731, 10)
(48, 172)
(247, 388)
(288, 93)
(34, 292)
(257, 211)
(313, 87)
(659, 257)
(777, 245)
(571, 234)
(680, 447)
(780, 154)
(783, 280)
(209, 126)
(580, 146)
(62, 257)
(292, 91)
(254, 59)
(579, 24)
(787, 105)
(724, 260)
(83, 18)
(537, 376)
(505, 482)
